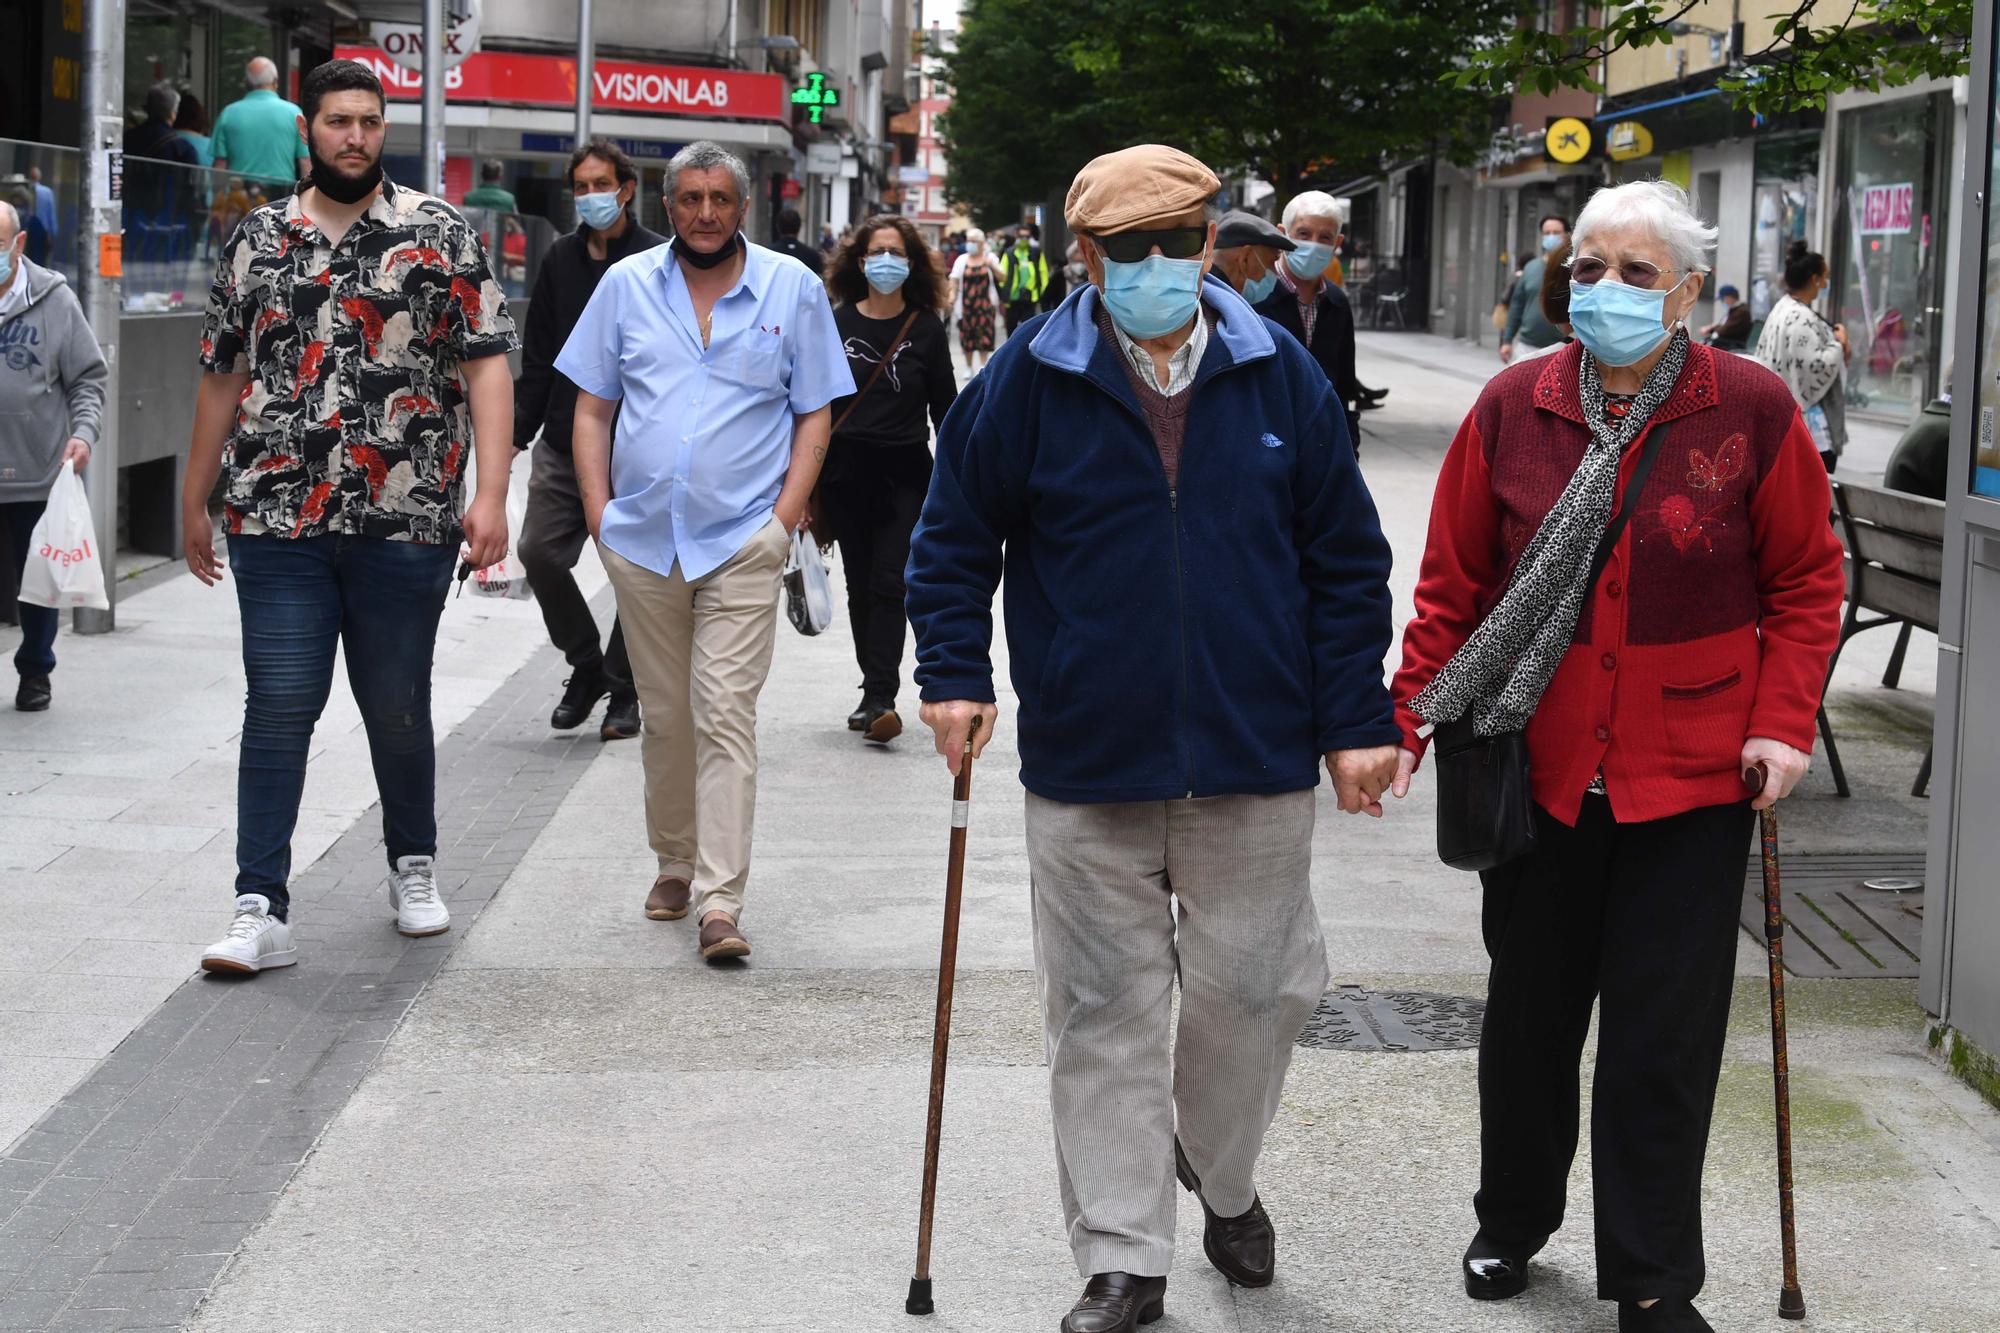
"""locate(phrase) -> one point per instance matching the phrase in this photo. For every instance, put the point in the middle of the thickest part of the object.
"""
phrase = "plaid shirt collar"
(1308, 305)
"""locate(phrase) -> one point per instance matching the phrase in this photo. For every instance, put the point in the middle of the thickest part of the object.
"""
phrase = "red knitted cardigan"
(1713, 621)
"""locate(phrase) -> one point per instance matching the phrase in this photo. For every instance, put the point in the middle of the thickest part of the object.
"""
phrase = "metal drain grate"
(1836, 927)
(1354, 1018)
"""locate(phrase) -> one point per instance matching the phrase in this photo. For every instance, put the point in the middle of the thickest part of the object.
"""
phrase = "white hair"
(702, 155)
(261, 72)
(1314, 204)
(974, 236)
(1659, 207)
(12, 217)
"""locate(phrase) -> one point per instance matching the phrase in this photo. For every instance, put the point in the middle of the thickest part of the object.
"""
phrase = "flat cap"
(1147, 183)
(1240, 228)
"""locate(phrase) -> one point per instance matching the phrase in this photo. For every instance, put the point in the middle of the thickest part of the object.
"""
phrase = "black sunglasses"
(1129, 247)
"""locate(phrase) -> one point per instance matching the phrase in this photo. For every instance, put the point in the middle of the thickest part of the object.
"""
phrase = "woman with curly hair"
(887, 294)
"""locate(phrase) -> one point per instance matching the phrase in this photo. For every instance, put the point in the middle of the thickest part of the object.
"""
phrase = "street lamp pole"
(586, 61)
(99, 283)
(432, 129)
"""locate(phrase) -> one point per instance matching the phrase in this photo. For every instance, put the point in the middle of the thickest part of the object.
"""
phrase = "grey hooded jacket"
(51, 384)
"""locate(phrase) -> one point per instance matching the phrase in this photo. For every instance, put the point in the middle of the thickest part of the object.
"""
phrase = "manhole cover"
(1846, 914)
(1354, 1018)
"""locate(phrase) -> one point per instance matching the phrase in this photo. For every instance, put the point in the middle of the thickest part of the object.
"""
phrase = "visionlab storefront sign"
(522, 79)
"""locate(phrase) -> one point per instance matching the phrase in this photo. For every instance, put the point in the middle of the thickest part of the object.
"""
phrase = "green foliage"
(1301, 92)
(1820, 47)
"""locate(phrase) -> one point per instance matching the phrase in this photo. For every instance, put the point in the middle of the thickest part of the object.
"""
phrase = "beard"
(336, 184)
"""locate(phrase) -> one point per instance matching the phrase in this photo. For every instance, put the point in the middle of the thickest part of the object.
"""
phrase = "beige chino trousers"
(700, 652)
(1127, 898)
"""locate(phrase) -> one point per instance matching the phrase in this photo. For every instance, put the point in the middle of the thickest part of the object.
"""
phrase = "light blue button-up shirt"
(704, 435)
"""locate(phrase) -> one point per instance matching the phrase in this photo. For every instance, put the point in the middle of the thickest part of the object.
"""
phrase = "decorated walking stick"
(1791, 1300)
(919, 1301)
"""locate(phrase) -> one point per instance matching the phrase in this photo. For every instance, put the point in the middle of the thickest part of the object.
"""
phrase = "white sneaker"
(413, 892)
(256, 940)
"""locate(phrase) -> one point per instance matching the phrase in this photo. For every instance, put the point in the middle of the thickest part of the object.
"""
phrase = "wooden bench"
(1895, 568)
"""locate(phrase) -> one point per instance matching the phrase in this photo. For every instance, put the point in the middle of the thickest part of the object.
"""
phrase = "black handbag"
(1485, 802)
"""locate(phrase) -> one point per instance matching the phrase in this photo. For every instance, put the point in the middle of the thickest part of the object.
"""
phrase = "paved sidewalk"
(118, 813)
(556, 1117)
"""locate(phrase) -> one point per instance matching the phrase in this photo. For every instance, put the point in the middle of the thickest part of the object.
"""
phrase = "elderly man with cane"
(1197, 614)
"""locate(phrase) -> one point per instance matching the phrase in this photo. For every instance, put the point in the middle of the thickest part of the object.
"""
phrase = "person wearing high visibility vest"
(1026, 276)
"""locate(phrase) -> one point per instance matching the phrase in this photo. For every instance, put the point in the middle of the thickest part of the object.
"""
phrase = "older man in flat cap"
(1246, 253)
(1197, 613)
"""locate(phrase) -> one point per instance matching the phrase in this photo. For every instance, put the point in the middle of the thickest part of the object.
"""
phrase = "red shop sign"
(1886, 209)
(617, 85)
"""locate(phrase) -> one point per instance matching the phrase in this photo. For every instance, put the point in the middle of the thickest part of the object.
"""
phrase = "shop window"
(1891, 224)
(1785, 209)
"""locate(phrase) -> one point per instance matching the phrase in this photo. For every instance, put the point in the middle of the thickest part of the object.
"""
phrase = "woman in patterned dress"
(975, 277)
(1650, 694)
(1808, 353)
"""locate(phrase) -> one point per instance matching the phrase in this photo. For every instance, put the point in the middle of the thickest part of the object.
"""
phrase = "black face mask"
(342, 189)
(722, 255)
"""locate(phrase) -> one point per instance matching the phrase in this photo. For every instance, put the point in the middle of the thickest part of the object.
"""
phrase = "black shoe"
(881, 725)
(1117, 1303)
(858, 719)
(580, 694)
(1669, 1315)
(621, 718)
(1243, 1249)
(1374, 395)
(1494, 1271)
(1367, 404)
(33, 696)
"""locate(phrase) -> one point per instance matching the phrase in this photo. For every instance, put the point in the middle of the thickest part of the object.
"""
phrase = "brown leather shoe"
(720, 938)
(882, 726)
(669, 899)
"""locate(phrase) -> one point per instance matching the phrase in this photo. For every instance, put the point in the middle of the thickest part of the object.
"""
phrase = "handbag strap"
(880, 366)
(1655, 438)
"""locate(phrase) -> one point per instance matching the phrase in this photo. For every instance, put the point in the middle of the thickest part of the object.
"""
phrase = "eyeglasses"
(1129, 247)
(1589, 270)
(884, 250)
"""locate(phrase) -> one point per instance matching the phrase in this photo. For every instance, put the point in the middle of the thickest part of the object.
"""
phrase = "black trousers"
(1642, 919)
(1019, 313)
(551, 540)
(872, 497)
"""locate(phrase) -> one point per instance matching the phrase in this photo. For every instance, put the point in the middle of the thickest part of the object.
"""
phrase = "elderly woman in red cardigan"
(1647, 695)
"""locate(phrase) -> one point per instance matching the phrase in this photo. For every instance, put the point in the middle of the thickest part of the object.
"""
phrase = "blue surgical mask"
(1258, 290)
(1154, 296)
(1308, 259)
(6, 264)
(885, 273)
(599, 210)
(1618, 323)
(1551, 240)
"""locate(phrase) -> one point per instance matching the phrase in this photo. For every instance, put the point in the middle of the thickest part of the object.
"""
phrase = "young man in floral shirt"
(355, 350)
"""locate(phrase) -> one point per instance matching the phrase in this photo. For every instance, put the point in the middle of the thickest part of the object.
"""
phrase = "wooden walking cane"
(919, 1301)
(1791, 1300)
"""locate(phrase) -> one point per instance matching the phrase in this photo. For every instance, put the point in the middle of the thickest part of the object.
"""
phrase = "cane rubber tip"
(920, 1297)
(1791, 1304)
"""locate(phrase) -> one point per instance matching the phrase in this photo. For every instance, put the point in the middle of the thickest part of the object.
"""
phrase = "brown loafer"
(720, 938)
(669, 899)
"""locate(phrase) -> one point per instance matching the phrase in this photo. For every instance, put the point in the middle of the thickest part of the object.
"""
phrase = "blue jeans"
(37, 654)
(300, 598)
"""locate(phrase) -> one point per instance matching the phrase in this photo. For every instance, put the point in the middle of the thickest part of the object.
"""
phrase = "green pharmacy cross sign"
(816, 95)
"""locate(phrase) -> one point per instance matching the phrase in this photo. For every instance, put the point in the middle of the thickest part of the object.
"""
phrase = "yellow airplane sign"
(1567, 140)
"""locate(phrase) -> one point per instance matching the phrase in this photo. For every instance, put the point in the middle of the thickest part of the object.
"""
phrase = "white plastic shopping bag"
(808, 586)
(505, 578)
(63, 568)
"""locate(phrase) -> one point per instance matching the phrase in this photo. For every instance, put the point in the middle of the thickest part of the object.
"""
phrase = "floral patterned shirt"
(354, 421)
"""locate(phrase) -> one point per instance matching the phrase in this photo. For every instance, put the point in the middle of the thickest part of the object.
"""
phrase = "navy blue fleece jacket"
(1212, 639)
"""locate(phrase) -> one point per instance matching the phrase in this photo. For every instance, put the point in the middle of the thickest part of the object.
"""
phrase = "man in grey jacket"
(51, 399)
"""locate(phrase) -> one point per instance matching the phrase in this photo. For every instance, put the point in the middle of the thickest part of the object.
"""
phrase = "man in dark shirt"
(603, 183)
(1315, 311)
(1920, 464)
(1732, 331)
(789, 226)
(160, 196)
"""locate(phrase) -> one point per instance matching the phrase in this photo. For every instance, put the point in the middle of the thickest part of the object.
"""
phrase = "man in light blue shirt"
(718, 359)
(260, 134)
